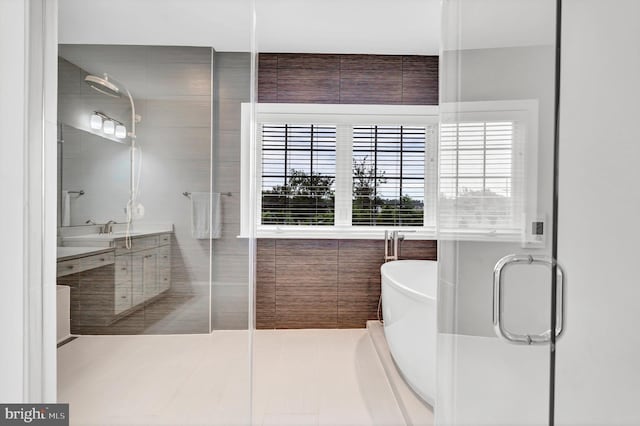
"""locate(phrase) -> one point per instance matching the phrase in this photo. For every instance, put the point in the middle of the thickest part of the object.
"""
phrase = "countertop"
(95, 239)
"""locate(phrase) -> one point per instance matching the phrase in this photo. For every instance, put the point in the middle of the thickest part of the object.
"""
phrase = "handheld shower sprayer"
(110, 87)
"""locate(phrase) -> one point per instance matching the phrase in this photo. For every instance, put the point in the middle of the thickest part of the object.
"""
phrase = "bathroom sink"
(100, 239)
(90, 237)
(112, 235)
(123, 233)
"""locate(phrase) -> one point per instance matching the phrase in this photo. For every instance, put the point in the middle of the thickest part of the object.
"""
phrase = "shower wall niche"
(178, 132)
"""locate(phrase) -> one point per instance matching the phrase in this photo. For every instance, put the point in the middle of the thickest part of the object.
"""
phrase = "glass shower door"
(496, 213)
(175, 268)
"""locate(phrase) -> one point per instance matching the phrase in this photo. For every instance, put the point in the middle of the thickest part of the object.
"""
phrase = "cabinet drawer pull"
(70, 267)
(102, 259)
(123, 297)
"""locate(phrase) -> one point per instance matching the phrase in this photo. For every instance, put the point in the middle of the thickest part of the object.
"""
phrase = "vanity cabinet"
(145, 275)
(146, 269)
(122, 285)
(164, 267)
(92, 295)
(80, 264)
(116, 282)
(150, 274)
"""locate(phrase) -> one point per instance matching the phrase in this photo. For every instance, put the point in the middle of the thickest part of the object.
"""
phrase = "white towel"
(65, 209)
(201, 205)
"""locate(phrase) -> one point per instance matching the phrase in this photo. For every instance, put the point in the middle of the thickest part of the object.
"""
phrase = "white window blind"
(480, 177)
(307, 175)
(388, 175)
(298, 174)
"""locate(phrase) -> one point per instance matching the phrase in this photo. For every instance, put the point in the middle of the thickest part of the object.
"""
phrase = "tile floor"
(301, 377)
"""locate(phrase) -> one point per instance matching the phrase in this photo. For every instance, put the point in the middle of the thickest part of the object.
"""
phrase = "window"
(488, 171)
(340, 171)
(343, 169)
(477, 175)
(298, 174)
(388, 175)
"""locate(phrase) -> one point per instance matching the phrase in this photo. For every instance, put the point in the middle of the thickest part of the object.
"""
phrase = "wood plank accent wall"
(306, 283)
(347, 79)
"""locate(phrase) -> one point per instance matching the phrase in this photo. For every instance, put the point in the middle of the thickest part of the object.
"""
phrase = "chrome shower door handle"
(498, 300)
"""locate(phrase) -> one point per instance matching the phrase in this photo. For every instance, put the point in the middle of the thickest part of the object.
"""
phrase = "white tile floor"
(301, 377)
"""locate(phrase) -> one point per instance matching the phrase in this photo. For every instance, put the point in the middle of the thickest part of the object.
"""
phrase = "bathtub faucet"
(391, 244)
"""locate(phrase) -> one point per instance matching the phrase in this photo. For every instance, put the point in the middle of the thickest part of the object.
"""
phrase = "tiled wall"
(229, 303)
(323, 283)
(175, 137)
(348, 79)
(303, 283)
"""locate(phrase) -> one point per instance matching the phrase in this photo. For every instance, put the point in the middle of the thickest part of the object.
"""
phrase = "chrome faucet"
(107, 228)
(391, 244)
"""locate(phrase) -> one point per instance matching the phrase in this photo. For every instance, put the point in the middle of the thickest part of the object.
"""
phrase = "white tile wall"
(231, 256)
(172, 87)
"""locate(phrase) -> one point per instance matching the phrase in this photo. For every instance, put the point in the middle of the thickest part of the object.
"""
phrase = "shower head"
(108, 87)
(103, 85)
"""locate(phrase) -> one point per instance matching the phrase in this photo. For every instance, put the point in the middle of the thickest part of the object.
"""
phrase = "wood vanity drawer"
(123, 269)
(97, 261)
(164, 239)
(164, 267)
(122, 296)
(164, 255)
(68, 267)
(73, 266)
(137, 243)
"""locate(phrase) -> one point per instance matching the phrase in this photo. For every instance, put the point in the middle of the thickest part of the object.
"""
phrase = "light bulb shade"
(121, 131)
(109, 127)
(96, 122)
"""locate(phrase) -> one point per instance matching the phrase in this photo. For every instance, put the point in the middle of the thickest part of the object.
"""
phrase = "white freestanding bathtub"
(409, 290)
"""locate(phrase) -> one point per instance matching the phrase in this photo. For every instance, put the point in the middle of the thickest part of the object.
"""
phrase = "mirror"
(95, 164)
(94, 177)
(94, 167)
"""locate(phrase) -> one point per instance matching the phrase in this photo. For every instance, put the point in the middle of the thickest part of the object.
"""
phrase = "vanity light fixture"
(121, 131)
(109, 127)
(96, 121)
(101, 121)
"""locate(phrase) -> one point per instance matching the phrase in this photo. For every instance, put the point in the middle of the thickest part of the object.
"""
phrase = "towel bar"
(188, 194)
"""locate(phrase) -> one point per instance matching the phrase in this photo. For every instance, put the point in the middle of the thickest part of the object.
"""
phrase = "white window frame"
(344, 117)
(525, 152)
(525, 112)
